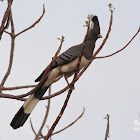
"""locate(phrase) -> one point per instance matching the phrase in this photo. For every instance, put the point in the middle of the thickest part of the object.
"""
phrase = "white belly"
(72, 65)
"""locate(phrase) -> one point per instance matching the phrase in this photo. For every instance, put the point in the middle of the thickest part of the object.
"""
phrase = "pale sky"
(109, 86)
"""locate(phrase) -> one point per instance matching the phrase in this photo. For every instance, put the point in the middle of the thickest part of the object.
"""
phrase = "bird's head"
(94, 33)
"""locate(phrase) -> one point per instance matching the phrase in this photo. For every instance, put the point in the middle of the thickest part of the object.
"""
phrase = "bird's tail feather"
(24, 112)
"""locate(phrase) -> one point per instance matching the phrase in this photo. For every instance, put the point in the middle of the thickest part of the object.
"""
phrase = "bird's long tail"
(24, 112)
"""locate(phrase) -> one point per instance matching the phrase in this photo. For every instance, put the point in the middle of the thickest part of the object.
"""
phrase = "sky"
(109, 86)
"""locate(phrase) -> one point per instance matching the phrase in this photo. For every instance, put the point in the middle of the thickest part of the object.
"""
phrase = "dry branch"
(70, 123)
(6, 18)
(32, 127)
(13, 36)
(59, 116)
(18, 87)
(107, 128)
(9, 96)
(11, 54)
(45, 118)
(120, 49)
(34, 23)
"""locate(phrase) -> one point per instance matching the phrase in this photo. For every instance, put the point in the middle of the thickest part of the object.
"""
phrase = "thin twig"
(70, 123)
(34, 23)
(107, 35)
(20, 97)
(55, 94)
(32, 127)
(107, 128)
(120, 49)
(7, 33)
(6, 18)
(11, 54)
(59, 116)
(26, 94)
(9, 96)
(45, 118)
(18, 87)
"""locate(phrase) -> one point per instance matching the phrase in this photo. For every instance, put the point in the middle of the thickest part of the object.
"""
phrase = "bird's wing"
(69, 55)
(64, 58)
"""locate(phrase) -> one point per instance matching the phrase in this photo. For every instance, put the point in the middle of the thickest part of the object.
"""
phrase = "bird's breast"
(70, 67)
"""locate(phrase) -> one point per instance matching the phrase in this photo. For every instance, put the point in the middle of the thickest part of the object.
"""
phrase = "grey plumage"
(65, 64)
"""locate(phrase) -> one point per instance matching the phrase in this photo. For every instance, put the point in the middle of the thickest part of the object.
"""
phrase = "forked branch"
(120, 49)
(6, 18)
(11, 53)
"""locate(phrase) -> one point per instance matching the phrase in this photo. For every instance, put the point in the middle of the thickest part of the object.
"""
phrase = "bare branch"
(7, 33)
(45, 118)
(32, 127)
(59, 116)
(55, 94)
(6, 18)
(70, 123)
(34, 23)
(120, 49)
(107, 128)
(18, 87)
(20, 97)
(9, 96)
(24, 95)
(11, 54)
(107, 35)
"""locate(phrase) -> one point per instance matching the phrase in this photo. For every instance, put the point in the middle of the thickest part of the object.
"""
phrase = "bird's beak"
(99, 36)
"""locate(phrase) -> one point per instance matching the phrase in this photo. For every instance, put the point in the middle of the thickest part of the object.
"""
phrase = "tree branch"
(6, 18)
(59, 116)
(120, 49)
(70, 123)
(45, 118)
(18, 87)
(34, 23)
(32, 127)
(9, 96)
(107, 128)
(11, 54)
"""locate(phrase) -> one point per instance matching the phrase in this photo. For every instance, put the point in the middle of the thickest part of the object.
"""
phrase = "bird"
(64, 65)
